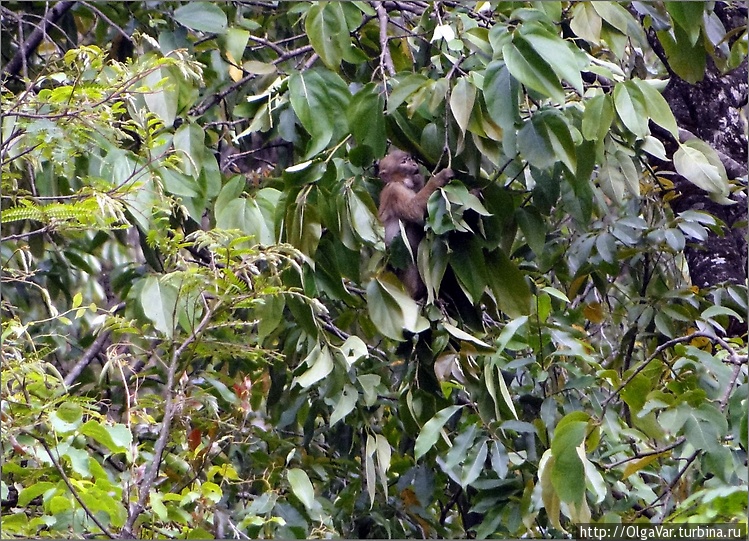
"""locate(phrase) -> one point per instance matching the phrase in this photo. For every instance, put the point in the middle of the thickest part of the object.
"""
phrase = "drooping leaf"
(528, 67)
(326, 28)
(301, 486)
(159, 303)
(202, 16)
(461, 102)
(366, 117)
(430, 432)
(696, 161)
(319, 98)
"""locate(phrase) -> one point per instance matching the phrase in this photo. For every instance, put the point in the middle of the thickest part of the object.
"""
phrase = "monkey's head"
(399, 166)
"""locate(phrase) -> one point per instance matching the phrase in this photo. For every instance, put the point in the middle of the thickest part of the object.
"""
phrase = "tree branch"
(70, 486)
(386, 61)
(152, 471)
(29, 46)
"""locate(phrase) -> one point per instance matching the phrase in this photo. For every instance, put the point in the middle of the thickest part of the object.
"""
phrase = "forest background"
(201, 332)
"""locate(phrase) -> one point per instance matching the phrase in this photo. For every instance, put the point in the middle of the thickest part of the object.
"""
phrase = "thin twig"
(67, 481)
(725, 345)
(169, 409)
(92, 351)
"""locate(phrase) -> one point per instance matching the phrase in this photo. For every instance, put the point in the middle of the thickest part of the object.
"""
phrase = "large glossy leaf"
(391, 309)
(631, 108)
(657, 107)
(189, 144)
(528, 67)
(326, 28)
(319, 98)
(461, 102)
(345, 404)
(598, 116)
(586, 22)
(687, 60)
(568, 470)
(162, 98)
(551, 46)
(508, 284)
(117, 438)
(431, 431)
(366, 117)
(159, 303)
(301, 486)
(696, 161)
(202, 16)
(254, 217)
(501, 95)
(320, 363)
(688, 16)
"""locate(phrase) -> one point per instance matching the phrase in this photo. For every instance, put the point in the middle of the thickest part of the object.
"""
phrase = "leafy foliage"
(201, 336)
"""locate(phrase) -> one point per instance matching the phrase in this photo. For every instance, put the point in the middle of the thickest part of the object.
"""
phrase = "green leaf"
(475, 462)
(222, 390)
(431, 430)
(67, 417)
(688, 15)
(365, 115)
(345, 404)
(696, 161)
(508, 284)
(461, 102)
(464, 336)
(327, 31)
(159, 303)
(705, 426)
(598, 116)
(568, 470)
(528, 67)
(403, 88)
(369, 467)
(509, 331)
(301, 487)
(657, 107)
(319, 97)
(551, 46)
(201, 16)
(320, 364)
(79, 461)
(189, 144)
(29, 493)
(156, 499)
(163, 95)
(630, 106)
(586, 23)
(391, 309)
(117, 438)
(501, 95)
(235, 42)
(254, 216)
(383, 460)
(688, 61)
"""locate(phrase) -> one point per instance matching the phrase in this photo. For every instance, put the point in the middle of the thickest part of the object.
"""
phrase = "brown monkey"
(404, 199)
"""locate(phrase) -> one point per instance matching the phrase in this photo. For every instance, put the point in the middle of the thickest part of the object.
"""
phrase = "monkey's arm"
(397, 201)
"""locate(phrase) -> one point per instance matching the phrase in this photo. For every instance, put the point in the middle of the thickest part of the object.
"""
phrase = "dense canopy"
(202, 333)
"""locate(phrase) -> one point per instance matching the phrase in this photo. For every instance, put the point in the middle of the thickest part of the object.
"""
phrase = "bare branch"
(385, 59)
(29, 46)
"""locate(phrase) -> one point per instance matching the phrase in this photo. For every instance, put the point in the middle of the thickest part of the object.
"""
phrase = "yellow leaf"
(637, 465)
(234, 72)
(593, 312)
